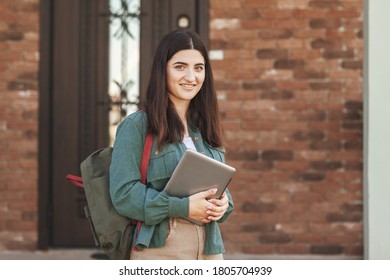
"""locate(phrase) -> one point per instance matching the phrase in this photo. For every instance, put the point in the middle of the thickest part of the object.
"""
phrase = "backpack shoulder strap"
(146, 156)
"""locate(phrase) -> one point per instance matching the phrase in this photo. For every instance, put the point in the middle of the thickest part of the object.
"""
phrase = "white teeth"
(187, 85)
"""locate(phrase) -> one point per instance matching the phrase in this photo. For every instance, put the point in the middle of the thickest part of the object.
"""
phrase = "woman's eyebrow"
(184, 63)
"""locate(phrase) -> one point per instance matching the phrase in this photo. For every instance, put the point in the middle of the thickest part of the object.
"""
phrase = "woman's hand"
(200, 207)
(218, 207)
(207, 210)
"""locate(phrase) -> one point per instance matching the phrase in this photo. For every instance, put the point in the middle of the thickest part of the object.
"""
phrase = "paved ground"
(91, 254)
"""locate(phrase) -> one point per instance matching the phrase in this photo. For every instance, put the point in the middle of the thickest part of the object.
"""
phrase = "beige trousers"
(185, 241)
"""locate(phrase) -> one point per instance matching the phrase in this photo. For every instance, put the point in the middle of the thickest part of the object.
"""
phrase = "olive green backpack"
(111, 231)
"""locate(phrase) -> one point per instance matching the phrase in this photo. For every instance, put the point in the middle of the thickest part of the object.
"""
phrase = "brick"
(22, 85)
(244, 155)
(277, 94)
(241, 34)
(312, 115)
(343, 239)
(351, 116)
(260, 44)
(354, 165)
(220, 24)
(12, 36)
(324, 23)
(277, 155)
(235, 13)
(308, 135)
(288, 64)
(274, 238)
(335, 54)
(344, 14)
(354, 105)
(270, 34)
(344, 197)
(352, 64)
(226, 85)
(353, 145)
(292, 44)
(289, 23)
(359, 34)
(325, 145)
(292, 85)
(294, 187)
(290, 249)
(263, 165)
(309, 177)
(259, 207)
(253, 227)
(325, 4)
(301, 73)
(24, 226)
(295, 4)
(326, 165)
(292, 228)
(308, 238)
(325, 86)
(305, 54)
(343, 217)
(271, 53)
(240, 237)
(255, 24)
(222, 44)
(215, 4)
(309, 13)
(259, 4)
(259, 249)
(320, 43)
(352, 207)
(326, 249)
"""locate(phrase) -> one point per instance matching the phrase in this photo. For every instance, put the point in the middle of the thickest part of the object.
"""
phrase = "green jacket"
(150, 203)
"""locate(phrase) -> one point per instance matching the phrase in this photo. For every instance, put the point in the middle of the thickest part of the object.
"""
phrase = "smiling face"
(185, 76)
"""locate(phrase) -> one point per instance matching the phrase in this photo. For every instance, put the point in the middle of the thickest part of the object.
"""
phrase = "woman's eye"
(179, 67)
(199, 68)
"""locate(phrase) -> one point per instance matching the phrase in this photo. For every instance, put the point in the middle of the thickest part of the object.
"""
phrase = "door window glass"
(124, 45)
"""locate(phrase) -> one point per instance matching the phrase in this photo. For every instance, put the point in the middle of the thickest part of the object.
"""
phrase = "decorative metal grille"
(124, 60)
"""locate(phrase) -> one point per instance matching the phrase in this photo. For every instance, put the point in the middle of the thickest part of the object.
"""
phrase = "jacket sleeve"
(129, 196)
(230, 208)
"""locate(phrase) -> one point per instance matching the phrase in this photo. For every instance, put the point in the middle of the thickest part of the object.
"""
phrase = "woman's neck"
(182, 112)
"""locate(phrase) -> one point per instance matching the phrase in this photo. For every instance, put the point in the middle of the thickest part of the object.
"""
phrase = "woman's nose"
(190, 75)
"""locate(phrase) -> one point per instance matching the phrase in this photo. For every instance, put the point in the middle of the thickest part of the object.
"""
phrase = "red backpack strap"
(75, 180)
(145, 157)
(144, 169)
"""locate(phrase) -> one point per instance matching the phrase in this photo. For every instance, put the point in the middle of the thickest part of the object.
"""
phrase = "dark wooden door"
(79, 117)
(73, 114)
(74, 100)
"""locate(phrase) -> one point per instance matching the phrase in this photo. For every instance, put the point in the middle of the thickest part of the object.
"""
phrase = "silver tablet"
(197, 172)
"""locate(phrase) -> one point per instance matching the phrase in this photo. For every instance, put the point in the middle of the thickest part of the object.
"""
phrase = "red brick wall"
(19, 56)
(290, 89)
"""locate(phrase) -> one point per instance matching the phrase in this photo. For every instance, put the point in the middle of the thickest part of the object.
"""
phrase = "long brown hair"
(163, 120)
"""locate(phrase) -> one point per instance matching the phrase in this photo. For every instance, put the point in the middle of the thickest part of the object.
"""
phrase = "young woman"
(181, 112)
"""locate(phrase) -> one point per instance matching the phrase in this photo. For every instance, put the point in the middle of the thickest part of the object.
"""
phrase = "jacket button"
(202, 153)
(196, 138)
(156, 153)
